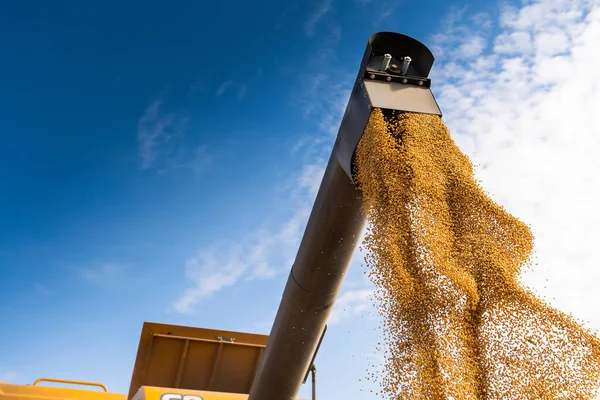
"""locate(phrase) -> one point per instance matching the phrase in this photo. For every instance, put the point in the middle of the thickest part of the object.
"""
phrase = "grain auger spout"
(392, 75)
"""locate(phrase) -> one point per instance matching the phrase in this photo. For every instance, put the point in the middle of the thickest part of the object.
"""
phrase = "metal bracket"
(407, 80)
(312, 362)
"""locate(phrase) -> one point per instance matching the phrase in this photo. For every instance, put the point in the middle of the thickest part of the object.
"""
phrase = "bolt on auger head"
(393, 75)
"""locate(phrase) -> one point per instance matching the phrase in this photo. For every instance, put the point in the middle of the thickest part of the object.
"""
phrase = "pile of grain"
(445, 260)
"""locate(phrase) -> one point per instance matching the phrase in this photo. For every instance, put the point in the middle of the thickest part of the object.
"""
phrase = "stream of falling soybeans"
(445, 260)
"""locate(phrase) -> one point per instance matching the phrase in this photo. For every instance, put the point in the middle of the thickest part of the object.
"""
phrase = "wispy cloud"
(385, 14)
(326, 99)
(259, 255)
(463, 35)
(150, 128)
(350, 304)
(323, 95)
(210, 273)
(523, 105)
(223, 87)
(103, 273)
(156, 127)
(383, 11)
(163, 143)
(323, 7)
(240, 89)
(472, 46)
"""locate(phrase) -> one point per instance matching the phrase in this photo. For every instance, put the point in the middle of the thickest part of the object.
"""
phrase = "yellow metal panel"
(184, 357)
(159, 393)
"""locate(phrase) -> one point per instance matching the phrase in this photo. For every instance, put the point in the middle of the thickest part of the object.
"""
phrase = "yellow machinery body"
(37, 392)
(173, 363)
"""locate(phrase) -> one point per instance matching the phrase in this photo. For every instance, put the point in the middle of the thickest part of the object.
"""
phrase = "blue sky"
(158, 162)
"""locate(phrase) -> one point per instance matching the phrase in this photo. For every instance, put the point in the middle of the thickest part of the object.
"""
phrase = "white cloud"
(472, 47)
(102, 273)
(150, 128)
(260, 255)
(223, 87)
(459, 40)
(383, 11)
(481, 20)
(163, 143)
(323, 8)
(350, 304)
(210, 273)
(323, 95)
(310, 178)
(240, 88)
(552, 43)
(526, 113)
(325, 99)
(518, 42)
(154, 129)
